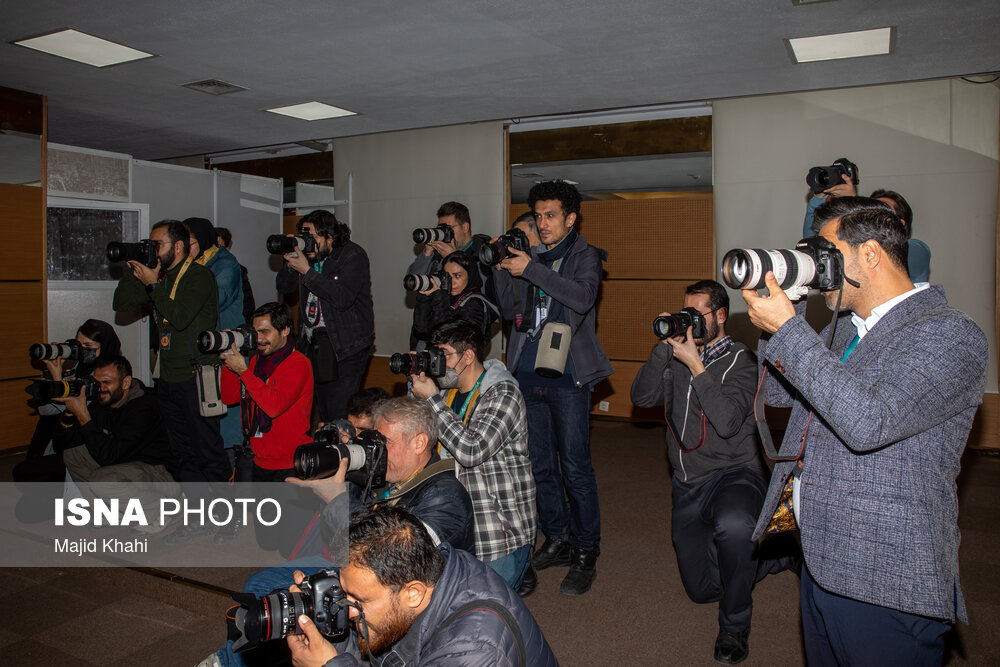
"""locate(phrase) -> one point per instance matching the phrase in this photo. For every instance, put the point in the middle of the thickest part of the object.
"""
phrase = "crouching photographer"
(400, 468)
(397, 574)
(706, 383)
(458, 297)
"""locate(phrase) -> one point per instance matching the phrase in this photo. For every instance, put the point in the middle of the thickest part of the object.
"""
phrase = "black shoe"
(582, 572)
(554, 553)
(731, 647)
(529, 583)
(185, 533)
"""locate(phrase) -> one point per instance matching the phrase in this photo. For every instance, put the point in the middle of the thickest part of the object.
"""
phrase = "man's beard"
(394, 628)
(167, 259)
(113, 397)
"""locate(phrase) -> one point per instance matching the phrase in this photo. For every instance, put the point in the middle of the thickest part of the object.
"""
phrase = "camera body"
(70, 349)
(815, 263)
(145, 252)
(431, 362)
(442, 233)
(279, 244)
(421, 282)
(668, 326)
(367, 460)
(492, 254)
(44, 391)
(824, 178)
(275, 616)
(216, 342)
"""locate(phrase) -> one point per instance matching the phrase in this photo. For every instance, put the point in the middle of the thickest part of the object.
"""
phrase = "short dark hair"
(568, 195)
(121, 364)
(457, 209)
(365, 401)
(866, 219)
(280, 315)
(718, 297)
(225, 235)
(395, 546)
(176, 231)
(899, 205)
(462, 336)
(326, 224)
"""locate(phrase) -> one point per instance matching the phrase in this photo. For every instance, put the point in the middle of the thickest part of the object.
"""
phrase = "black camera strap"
(501, 612)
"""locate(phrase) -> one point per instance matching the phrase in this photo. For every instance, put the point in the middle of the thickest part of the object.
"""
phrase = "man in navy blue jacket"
(421, 604)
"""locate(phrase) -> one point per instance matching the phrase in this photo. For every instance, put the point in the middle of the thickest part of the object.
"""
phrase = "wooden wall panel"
(626, 310)
(16, 416)
(671, 238)
(379, 375)
(26, 302)
(615, 392)
(23, 208)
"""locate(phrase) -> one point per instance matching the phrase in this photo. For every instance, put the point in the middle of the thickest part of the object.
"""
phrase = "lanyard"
(180, 274)
(468, 399)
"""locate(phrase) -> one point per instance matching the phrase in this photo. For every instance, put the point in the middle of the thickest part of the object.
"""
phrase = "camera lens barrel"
(420, 282)
(316, 460)
(442, 233)
(491, 254)
(214, 342)
(50, 351)
(279, 244)
(745, 268)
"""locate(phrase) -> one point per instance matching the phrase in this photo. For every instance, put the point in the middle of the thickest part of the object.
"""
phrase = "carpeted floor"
(636, 613)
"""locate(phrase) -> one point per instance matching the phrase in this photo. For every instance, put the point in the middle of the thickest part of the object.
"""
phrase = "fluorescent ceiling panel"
(842, 45)
(312, 111)
(83, 48)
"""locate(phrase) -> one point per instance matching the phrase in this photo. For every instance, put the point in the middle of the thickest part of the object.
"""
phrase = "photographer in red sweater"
(275, 394)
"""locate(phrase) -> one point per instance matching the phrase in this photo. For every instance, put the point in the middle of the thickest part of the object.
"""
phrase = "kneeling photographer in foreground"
(421, 603)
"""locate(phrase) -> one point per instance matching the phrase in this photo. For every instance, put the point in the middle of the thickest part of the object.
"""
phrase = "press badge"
(541, 312)
(165, 341)
(258, 434)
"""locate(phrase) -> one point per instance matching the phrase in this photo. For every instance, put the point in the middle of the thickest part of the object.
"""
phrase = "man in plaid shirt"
(482, 425)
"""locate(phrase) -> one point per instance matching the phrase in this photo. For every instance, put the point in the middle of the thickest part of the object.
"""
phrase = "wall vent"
(214, 87)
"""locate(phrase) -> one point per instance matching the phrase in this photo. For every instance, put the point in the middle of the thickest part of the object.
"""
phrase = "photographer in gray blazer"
(873, 445)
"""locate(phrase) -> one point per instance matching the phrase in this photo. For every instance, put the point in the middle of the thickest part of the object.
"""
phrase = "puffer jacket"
(477, 637)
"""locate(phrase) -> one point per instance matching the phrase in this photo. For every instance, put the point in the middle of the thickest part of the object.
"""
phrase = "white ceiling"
(425, 63)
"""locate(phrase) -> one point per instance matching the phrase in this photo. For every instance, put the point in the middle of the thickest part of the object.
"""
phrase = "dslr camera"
(275, 616)
(492, 254)
(215, 342)
(366, 457)
(144, 252)
(279, 244)
(815, 263)
(430, 362)
(71, 349)
(824, 178)
(443, 233)
(44, 391)
(420, 282)
(668, 326)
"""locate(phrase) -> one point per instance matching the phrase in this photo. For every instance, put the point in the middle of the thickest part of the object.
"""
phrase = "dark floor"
(636, 613)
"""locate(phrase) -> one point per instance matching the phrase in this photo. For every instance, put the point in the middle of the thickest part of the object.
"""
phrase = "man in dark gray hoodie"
(707, 386)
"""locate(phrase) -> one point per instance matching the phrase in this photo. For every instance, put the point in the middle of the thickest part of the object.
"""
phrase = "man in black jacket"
(422, 605)
(707, 386)
(336, 316)
(119, 437)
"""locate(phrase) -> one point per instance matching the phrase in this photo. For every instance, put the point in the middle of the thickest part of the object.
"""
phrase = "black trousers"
(331, 397)
(712, 527)
(195, 441)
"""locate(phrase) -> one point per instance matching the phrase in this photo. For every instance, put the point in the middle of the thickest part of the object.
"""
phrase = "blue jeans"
(261, 583)
(559, 448)
(512, 566)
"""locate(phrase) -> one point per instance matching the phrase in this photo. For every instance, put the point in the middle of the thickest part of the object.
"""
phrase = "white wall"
(933, 142)
(395, 183)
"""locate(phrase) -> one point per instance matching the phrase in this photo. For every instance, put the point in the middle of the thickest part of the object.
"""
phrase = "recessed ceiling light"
(312, 111)
(842, 45)
(83, 48)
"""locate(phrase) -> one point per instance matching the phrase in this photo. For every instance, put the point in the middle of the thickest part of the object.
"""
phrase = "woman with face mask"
(97, 340)
(463, 301)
